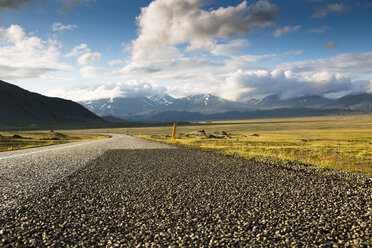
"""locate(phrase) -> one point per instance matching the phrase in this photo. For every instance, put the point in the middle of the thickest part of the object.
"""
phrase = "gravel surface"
(187, 197)
(24, 172)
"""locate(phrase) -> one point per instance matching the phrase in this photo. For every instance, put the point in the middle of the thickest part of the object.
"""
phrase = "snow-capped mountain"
(276, 101)
(128, 107)
(143, 108)
(161, 100)
(206, 104)
(120, 106)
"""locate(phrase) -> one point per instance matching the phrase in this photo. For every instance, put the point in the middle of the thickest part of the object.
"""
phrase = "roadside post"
(174, 131)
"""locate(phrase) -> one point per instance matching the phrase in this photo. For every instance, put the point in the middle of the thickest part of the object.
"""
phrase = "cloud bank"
(243, 85)
(23, 56)
(169, 31)
(183, 48)
(88, 58)
(115, 62)
(239, 78)
(131, 88)
(91, 72)
(165, 24)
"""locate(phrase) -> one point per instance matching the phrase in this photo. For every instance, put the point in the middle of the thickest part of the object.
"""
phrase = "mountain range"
(137, 107)
(19, 106)
(209, 107)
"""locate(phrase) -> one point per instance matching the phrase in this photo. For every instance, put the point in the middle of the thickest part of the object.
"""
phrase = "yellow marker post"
(174, 131)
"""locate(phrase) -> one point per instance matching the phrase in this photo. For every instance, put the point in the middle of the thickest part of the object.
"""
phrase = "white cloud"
(239, 77)
(180, 69)
(50, 78)
(91, 72)
(57, 26)
(85, 54)
(86, 93)
(243, 85)
(230, 48)
(167, 23)
(285, 30)
(351, 65)
(131, 88)
(318, 30)
(336, 7)
(330, 45)
(158, 53)
(115, 62)
(12, 34)
(236, 78)
(88, 58)
(247, 61)
(23, 56)
(77, 50)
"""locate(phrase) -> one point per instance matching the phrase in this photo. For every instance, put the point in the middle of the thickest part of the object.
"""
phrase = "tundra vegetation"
(22, 140)
(336, 142)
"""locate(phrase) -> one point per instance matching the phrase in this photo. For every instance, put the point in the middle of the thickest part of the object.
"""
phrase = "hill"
(19, 106)
(169, 116)
(355, 102)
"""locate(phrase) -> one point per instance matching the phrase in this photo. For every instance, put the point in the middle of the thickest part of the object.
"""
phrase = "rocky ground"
(188, 197)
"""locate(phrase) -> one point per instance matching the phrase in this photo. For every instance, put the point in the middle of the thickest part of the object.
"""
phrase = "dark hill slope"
(19, 106)
(356, 102)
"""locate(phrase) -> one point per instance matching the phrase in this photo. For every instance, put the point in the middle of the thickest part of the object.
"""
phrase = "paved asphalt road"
(130, 192)
(24, 172)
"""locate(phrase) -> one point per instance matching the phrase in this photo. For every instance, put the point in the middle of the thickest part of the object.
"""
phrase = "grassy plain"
(22, 140)
(337, 142)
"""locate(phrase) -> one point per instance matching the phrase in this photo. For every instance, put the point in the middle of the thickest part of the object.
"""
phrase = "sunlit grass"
(23, 140)
(340, 142)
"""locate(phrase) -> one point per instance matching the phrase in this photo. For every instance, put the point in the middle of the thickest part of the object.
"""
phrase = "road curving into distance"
(178, 197)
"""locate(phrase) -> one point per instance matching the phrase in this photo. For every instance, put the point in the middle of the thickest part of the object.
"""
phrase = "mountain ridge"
(19, 106)
(154, 107)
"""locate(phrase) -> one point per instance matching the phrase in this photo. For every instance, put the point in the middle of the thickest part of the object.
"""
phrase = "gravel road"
(24, 172)
(187, 197)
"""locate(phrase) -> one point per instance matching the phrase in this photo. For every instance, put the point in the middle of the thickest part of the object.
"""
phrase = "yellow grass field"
(337, 142)
(22, 140)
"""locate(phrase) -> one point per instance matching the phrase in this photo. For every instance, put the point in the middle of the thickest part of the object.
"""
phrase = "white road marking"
(52, 149)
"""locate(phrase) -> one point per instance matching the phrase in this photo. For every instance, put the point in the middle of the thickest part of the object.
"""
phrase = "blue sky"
(86, 49)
